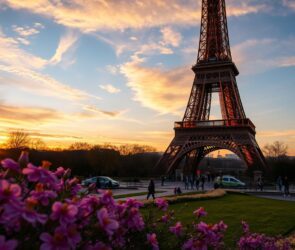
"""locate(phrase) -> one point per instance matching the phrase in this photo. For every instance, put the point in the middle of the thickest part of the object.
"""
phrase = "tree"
(37, 144)
(128, 149)
(18, 139)
(80, 146)
(275, 150)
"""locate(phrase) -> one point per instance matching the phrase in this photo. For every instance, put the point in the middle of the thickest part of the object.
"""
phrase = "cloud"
(25, 31)
(19, 68)
(258, 55)
(112, 69)
(23, 40)
(65, 44)
(39, 25)
(288, 61)
(19, 115)
(110, 88)
(289, 3)
(89, 16)
(276, 133)
(171, 37)
(102, 112)
(41, 84)
(11, 54)
(165, 91)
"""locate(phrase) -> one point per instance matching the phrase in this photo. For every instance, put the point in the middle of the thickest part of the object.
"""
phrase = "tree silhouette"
(18, 139)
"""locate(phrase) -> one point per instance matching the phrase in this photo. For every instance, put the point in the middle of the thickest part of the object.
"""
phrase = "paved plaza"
(168, 189)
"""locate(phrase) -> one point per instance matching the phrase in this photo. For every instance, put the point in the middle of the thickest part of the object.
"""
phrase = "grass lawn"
(271, 217)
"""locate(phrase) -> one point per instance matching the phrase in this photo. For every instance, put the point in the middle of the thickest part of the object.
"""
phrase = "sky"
(117, 71)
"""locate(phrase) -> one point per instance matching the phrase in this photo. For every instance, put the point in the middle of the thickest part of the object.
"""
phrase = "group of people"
(283, 183)
(194, 181)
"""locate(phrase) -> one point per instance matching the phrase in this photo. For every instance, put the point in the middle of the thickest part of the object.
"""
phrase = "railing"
(215, 123)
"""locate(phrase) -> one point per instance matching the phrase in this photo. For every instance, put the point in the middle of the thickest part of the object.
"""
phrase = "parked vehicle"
(229, 181)
(104, 181)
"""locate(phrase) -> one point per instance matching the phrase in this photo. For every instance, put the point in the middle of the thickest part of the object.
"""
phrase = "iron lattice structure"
(196, 135)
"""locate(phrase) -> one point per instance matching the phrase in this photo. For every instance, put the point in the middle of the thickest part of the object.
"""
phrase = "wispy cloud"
(102, 112)
(90, 16)
(65, 44)
(17, 115)
(258, 55)
(41, 84)
(112, 69)
(110, 88)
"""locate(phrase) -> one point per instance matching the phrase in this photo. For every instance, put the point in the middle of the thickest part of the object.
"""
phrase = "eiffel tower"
(215, 72)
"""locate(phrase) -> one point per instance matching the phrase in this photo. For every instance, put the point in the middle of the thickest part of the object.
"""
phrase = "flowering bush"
(46, 209)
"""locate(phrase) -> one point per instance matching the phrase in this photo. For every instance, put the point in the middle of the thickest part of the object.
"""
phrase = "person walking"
(162, 180)
(286, 186)
(151, 189)
(280, 183)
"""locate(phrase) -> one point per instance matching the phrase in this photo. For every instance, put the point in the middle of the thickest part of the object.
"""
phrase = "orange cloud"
(90, 16)
(22, 116)
(165, 91)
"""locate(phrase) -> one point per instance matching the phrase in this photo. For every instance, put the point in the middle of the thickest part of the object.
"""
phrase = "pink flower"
(11, 215)
(108, 224)
(73, 236)
(88, 205)
(23, 160)
(152, 240)
(40, 174)
(64, 238)
(134, 220)
(99, 246)
(56, 242)
(107, 198)
(130, 202)
(30, 214)
(245, 226)
(177, 229)
(165, 218)
(194, 244)
(59, 172)
(43, 196)
(9, 191)
(7, 244)
(63, 212)
(161, 204)
(200, 212)
(10, 164)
